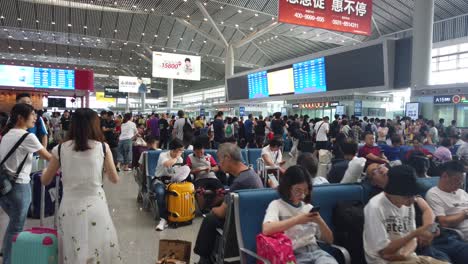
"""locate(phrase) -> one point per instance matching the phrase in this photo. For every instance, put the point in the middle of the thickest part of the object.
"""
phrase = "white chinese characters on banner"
(320, 4)
(337, 6)
(350, 7)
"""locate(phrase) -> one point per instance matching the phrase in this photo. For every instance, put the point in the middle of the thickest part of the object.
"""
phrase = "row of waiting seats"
(249, 207)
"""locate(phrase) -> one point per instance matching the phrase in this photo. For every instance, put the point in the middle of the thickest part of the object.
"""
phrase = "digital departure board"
(258, 85)
(54, 78)
(309, 76)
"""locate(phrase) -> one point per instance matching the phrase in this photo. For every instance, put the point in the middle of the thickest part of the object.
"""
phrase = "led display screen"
(309, 76)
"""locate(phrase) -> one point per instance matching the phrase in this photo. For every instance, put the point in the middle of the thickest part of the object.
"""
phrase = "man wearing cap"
(390, 233)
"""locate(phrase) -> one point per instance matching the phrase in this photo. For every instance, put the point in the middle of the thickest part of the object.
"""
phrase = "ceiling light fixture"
(19, 19)
(37, 21)
(2, 17)
(221, 7)
(222, 22)
(155, 36)
(69, 25)
(239, 11)
(85, 27)
(53, 22)
(237, 25)
(251, 28)
(205, 19)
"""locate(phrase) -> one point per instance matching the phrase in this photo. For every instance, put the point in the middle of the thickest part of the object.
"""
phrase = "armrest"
(219, 231)
(244, 251)
(453, 230)
(343, 251)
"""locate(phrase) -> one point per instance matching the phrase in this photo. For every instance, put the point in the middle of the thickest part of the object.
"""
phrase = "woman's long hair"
(19, 110)
(85, 126)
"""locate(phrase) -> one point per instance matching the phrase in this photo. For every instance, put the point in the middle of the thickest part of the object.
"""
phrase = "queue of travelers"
(364, 151)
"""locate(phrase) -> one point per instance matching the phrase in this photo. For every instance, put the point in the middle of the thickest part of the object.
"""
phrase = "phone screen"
(315, 209)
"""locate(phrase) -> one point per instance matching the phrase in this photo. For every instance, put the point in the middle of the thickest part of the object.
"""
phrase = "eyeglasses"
(298, 192)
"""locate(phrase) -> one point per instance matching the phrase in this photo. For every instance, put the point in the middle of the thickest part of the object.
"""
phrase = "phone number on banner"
(309, 17)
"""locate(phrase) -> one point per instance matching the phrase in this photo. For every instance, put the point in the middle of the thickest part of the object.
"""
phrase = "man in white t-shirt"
(272, 155)
(321, 129)
(178, 131)
(448, 201)
(390, 232)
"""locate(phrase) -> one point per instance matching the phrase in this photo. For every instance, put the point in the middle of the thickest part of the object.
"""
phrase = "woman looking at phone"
(295, 216)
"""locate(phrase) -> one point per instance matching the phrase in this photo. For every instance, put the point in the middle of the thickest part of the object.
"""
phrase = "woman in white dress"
(86, 232)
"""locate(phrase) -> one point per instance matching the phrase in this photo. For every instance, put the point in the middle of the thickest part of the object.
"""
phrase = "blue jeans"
(15, 204)
(124, 153)
(452, 245)
(160, 190)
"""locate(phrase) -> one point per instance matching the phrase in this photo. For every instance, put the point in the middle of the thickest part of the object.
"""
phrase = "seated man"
(372, 153)
(448, 200)
(203, 166)
(390, 232)
(350, 169)
(272, 156)
(393, 152)
(165, 168)
(151, 144)
(230, 161)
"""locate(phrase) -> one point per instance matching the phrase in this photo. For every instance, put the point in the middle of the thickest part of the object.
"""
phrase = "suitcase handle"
(57, 198)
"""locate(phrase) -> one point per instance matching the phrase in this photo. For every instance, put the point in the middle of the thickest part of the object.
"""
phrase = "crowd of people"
(346, 150)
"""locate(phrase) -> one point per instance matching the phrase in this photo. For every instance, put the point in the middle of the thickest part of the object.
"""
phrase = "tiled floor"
(139, 241)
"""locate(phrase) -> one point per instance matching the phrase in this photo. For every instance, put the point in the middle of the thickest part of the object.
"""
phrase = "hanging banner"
(100, 97)
(353, 16)
(202, 111)
(176, 66)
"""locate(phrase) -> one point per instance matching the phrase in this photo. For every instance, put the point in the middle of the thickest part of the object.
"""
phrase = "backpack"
(334, 129)
(348, 219)
(188, 133)
(276, 248)
(229, 131)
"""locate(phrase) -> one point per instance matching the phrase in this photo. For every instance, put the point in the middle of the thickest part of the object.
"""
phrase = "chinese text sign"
(353, 16)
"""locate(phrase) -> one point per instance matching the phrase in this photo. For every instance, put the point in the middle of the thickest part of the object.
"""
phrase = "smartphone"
(273, 180)
(315, 209)
(434, 228)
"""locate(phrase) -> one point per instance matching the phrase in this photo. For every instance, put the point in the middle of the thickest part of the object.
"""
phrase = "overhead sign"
(317, 105)
(353, 16)
(33, 77)
(113, 92)
(443, 99)
(176, 66)
(412, 110)
(202, 111)
(100, 97)
(130, 84)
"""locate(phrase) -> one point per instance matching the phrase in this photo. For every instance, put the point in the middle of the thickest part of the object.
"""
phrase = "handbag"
(6, 178)
(276, 248)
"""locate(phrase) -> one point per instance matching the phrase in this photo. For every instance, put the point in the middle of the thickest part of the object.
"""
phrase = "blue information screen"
(309, 76)
(258, 85)
(54, 78)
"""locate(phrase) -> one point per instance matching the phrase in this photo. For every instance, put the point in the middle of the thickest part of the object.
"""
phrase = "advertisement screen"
(176, 66)
(412, 110)
(309, 76)
(281, 82)
(17, 76)
(130, 84)
(346, 16)
(258, 85)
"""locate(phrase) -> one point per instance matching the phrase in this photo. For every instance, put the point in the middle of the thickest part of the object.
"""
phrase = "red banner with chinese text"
(353, 16)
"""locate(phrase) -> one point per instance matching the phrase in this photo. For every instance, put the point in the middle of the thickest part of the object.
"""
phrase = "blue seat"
(253, 155)
(186, 154)
(152, 158)
(328, 196)
(245, 157)
(212, 152)
(250, 207)
(431, 148)
(403, 150)
(428, 183)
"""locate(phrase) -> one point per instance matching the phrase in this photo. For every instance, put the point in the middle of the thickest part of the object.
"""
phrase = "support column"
(229, 65)
(87, 99)
(143, 102)
(127, 103)
(423, 24)
(170, 94)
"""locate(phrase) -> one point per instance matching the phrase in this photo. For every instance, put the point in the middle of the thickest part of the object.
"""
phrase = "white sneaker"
(162, 225)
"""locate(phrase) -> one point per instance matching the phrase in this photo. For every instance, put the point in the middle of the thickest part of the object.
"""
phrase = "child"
(291, 214)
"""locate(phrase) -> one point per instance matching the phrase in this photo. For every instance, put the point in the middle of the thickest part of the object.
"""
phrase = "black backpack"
(348, 219)
(188, 133)
(334, 129)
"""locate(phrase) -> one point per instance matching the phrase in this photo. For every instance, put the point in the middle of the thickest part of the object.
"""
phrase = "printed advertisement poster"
(353, 16)
(176, 66)
(412, 110)
(130, 84)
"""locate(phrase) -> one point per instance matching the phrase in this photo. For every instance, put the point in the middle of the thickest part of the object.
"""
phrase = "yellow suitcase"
(181, 202)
